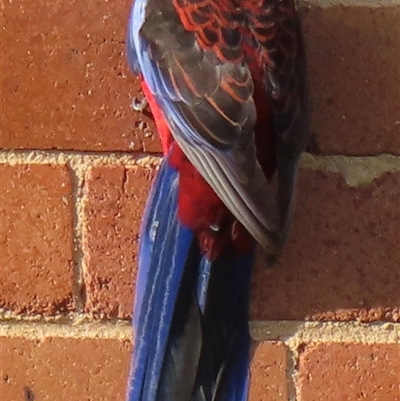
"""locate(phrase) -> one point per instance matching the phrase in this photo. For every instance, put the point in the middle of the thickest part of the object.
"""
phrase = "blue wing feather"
(133, 47)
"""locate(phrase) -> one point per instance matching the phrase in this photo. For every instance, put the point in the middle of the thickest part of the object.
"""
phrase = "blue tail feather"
(163, 241)
(190, 314)
(237, 380)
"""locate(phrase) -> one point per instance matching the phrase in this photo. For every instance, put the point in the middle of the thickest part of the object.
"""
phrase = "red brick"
(113, 213)
(65, 81)
(97, 369)
(64, 369)
(36, 239)
(66, 84)
(268, 372)
(342, 258)
(354, 78)
(352, 372)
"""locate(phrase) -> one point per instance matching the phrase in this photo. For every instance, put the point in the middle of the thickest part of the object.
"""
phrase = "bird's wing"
(193, 57)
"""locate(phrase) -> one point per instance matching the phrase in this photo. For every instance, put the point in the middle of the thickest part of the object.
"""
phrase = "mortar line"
(356, 170)
(295, 333)
(309, 160)
(118, 330)
(292, 333)
(291, 374)
(78, 182)
(18, 157)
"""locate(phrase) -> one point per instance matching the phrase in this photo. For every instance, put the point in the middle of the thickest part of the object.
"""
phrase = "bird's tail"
(191, 338)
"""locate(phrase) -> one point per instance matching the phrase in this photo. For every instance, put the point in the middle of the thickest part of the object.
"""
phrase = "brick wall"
(76, 164)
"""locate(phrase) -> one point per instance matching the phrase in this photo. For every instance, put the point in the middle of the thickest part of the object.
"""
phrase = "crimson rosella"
(225, 80)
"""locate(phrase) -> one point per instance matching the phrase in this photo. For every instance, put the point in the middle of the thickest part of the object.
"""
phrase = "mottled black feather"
(202, 83)
(185, 338)
(219, 325)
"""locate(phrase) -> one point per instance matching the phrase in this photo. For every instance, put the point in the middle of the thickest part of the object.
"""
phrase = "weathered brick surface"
(342, 258)
(268, 372)
(36, 239)
(97, 369)
(340, 263)
(355, 372)
(354, 78)
(65, 82)
(116, 197)
(64, 369)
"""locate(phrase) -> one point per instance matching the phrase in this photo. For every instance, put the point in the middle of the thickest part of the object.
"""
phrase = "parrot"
(226, 83)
